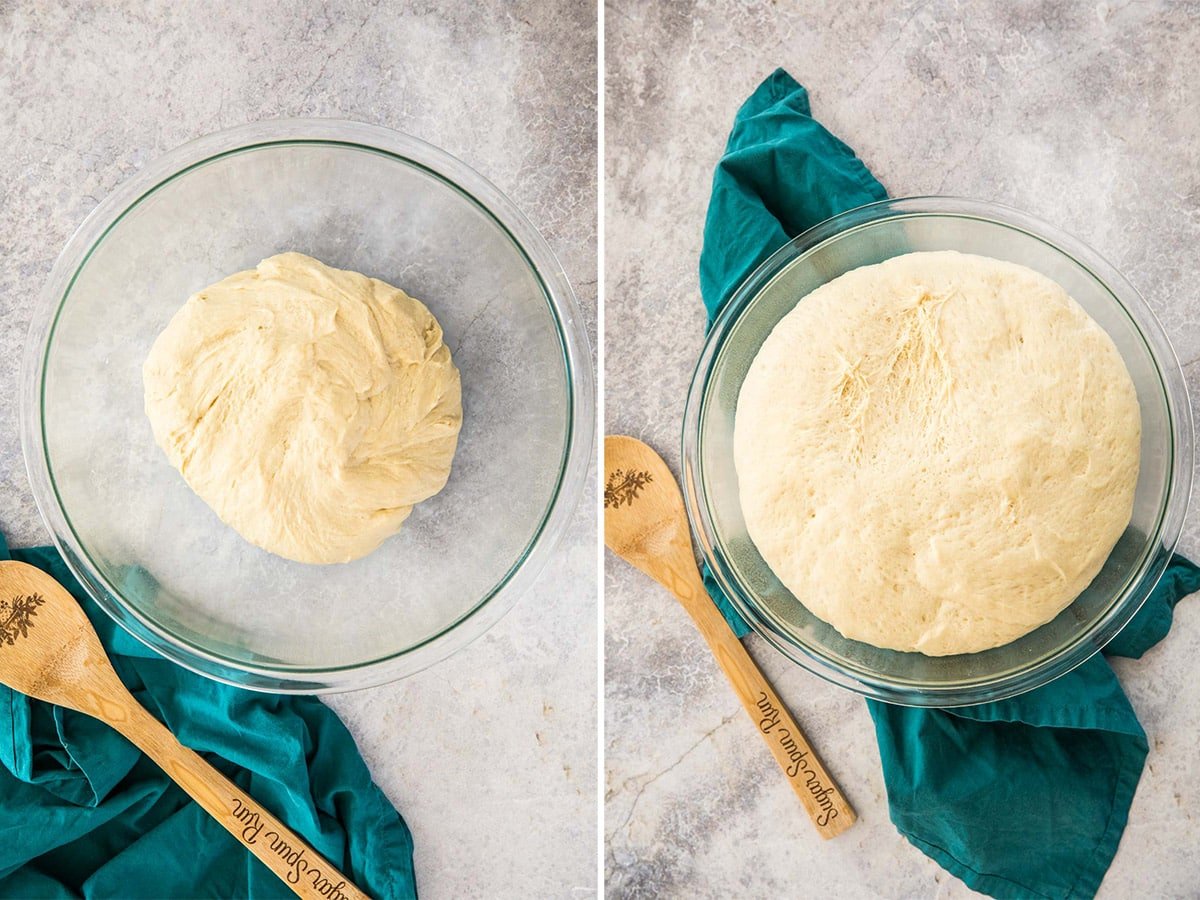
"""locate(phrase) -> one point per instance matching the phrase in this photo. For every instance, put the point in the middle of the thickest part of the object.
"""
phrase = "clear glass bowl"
(355, 196)
(872, 234)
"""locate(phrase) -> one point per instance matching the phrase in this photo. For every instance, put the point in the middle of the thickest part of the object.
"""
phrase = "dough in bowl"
(310, 407)
(937, 453)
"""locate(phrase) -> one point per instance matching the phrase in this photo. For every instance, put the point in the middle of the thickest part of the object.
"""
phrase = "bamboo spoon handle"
(821, 797)
(286, 854)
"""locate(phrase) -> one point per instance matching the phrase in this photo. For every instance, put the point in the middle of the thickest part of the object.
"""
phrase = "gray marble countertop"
(490, 755)
(1086, 114)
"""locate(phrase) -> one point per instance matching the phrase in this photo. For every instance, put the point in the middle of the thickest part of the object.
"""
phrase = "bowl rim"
(566, 314)
(1160, 545)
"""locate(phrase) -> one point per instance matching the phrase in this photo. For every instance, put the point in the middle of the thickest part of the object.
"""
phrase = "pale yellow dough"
(938, 453)
(310, 407)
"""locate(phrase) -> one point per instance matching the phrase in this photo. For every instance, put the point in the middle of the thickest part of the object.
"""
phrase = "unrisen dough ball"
(310, 407)
(937, 453)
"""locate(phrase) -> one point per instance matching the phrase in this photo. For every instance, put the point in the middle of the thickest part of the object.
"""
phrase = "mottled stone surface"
(489, 755)
(1087, 114)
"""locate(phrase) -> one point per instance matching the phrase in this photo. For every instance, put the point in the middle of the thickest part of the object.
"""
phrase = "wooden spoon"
(644, 524)
(49, 650)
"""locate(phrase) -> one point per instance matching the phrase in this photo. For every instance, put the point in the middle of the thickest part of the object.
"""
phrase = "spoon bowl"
(48, 646)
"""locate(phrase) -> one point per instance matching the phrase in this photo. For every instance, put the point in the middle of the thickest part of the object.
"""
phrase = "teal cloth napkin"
(1023, 798)
(84, 814)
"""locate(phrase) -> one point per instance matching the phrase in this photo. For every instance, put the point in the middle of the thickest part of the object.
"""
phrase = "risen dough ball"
(310, 407)
(937, 453)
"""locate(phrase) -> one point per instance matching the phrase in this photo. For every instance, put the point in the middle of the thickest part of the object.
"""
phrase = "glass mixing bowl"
(359, 197)
(869, 235)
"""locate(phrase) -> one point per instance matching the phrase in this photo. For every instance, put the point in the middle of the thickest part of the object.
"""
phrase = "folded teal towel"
(84, 814)
(1023, 798)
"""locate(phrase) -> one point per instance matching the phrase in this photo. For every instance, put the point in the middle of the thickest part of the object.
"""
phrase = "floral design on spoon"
(18, 614)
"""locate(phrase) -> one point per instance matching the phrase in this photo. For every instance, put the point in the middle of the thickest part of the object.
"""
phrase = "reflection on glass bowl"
(358, 197)
(870, 235)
